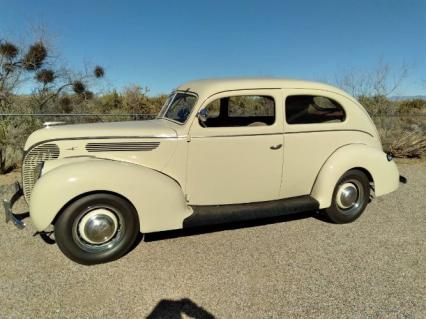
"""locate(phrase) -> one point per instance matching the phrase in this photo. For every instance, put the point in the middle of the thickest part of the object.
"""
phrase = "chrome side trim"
(236, 135)
(285, 133)
(48, 124)
(336, 130)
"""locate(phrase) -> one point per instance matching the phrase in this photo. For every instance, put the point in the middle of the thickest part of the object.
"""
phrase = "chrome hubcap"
(98, 226)
(347, 196)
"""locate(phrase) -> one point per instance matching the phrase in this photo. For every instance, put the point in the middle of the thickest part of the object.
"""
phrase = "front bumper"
(8, 204)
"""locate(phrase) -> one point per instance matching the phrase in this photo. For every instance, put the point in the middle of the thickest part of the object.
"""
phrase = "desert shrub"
(109, 102)
(14, 131)
(13, 134)
(156, 103)
(378, 105)
(410, 106)
(402, 135)
(408, 145)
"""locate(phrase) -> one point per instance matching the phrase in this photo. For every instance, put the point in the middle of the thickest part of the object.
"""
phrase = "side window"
(243, 110)
(214, 109)
(309, 109)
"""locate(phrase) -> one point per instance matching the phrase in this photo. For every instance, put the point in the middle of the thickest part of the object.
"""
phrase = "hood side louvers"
(121, 146)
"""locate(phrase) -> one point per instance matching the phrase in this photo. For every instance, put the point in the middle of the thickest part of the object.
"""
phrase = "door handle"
(276, 147)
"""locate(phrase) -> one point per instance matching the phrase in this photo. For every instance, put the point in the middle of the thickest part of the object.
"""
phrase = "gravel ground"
(289, 268)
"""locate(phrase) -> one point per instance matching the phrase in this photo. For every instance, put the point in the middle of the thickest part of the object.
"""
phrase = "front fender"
(384, 173)
(158, 199)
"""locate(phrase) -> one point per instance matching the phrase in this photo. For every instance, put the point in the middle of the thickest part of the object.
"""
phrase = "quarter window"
(243, 110)
(310, 109)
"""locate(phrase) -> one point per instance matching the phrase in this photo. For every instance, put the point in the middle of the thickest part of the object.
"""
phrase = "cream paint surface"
(229, 165)
(231, 170)
(306, 153)
(158, 199)
(212, 166)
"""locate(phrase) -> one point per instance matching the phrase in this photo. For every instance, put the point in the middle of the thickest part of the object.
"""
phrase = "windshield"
(178, 106)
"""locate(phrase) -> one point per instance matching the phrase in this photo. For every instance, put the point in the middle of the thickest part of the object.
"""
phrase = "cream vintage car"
(220, 150)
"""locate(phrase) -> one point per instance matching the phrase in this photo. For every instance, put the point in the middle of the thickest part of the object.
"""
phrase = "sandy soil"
(289, 268)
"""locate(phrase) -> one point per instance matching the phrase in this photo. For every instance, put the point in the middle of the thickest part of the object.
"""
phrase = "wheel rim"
(98, 229)
(98, 226)
(349, 196)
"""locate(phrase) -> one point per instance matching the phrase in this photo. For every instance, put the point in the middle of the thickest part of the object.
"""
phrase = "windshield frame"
(170, 98)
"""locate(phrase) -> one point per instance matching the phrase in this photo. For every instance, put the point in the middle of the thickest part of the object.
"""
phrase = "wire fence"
(81, 117)
(69, 114)
(388, 121)
(389, 125)
(146, 114)
(15, 128)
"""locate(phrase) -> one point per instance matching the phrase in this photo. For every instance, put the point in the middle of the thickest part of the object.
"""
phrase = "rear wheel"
(97, 228)
(350, 197)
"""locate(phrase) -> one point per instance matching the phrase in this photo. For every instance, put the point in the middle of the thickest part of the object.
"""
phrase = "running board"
(222, 214)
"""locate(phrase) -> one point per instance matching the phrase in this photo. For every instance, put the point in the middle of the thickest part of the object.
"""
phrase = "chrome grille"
(122, 146)
(34, 157)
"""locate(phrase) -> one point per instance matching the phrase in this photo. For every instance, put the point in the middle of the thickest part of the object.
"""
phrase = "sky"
(161, 44)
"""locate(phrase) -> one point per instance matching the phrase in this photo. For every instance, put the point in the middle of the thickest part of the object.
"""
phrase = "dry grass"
(410, 144)
(403, 136)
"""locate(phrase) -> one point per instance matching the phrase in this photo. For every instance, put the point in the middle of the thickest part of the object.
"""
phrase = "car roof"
(209, 87)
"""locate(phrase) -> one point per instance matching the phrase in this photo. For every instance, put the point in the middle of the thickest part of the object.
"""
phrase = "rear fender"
(384, 173)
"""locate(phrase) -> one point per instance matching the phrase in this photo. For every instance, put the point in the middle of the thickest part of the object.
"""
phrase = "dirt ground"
(292, 267)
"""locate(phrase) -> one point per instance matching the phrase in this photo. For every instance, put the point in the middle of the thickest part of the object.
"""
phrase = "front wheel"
(350, 197)
(97, 228)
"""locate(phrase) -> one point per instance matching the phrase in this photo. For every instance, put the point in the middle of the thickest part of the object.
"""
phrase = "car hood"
(150, 128)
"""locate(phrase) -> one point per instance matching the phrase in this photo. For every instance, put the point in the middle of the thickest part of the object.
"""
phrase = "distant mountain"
(408, 97)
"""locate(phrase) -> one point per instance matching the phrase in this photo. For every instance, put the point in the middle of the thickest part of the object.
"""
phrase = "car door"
(236, 154)
(316, 124)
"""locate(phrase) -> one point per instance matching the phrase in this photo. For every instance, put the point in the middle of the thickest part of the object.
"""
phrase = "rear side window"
(310, 109)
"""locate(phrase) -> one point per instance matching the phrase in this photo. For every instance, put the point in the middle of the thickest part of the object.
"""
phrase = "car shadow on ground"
(175, 309)
(48, 237)
(229, 226)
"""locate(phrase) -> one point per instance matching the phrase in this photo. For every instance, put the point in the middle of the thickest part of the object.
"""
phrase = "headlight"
(38, 170)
